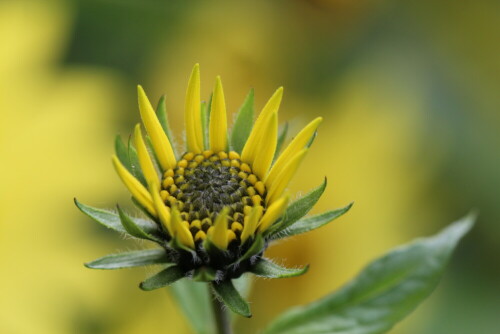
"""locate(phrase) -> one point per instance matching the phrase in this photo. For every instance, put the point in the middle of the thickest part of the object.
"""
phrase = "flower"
(215, 208)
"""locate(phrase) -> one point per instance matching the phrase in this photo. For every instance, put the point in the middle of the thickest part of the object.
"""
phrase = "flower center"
(201, 185)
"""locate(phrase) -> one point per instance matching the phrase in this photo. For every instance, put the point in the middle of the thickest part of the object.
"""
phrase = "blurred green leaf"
(298, 209)
(130, 259)
(385, 292)
(228, 294)
(243, 123)
(313, 222)
(135, 230)
(266, 268)
(194, 300)
(162, 279)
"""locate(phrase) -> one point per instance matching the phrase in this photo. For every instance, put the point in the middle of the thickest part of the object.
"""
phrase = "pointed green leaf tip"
(266, 268)
(243, 123)
(299, 208)
(228, 294)
(313, 222)
(163, 278)
(110, 219)
(383, 293)
(129, 259)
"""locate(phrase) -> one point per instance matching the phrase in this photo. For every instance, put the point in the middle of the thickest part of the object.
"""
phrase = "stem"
(222, 320)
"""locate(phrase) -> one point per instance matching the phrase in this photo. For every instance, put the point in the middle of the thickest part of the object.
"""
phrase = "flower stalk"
(221, 315)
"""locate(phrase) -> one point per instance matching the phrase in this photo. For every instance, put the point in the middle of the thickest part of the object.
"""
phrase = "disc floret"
(202, 185)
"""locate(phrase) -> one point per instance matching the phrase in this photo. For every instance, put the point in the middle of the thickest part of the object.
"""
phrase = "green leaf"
(383, 293)
(135, 230)
(161, 113)
(266, 268)
(228, 294)
(134, 163)
(195, 301)
(313, 222)
(243, 123)
(122, 153)
(281, 140)
(163, 278)
(129, 259)
(299, 209)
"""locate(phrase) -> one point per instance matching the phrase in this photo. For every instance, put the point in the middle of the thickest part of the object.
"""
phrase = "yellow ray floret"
(273, 212)
(251, 224)
(297, 144)
(192, 113)
(250, 150)
(180, 229)
(267, 147)
(278, 186)
(219, 234)
(147, 167)
(159, 139)
(162, 210)
(134, 186)
(218, 119)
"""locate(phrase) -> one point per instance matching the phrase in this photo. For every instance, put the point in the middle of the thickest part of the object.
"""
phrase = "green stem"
(222, 320)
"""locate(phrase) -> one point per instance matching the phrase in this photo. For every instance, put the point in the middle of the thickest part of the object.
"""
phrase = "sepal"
(161, 113)
(281, 140)
(204, 274)
(130, 225)
(298, 209)
(266, 268)
(163, 278)
(228, 294)
(243, 123)
(258, 246)
(311, 223)
(130, 259)
(110, 219)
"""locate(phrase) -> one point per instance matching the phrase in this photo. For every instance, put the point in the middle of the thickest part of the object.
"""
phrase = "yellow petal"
(159, 139)
(219, 235)
(267, 146)
(284, 177)
(250, 226)
(147, 167)
(273, 212)
(218, 120)
(298, 143)
(251, 147)
(134, 186)
(180, 231)
(162, 210)
(192, 114)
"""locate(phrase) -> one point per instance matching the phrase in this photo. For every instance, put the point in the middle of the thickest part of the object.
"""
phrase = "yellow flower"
(215, 208)
(210, 176)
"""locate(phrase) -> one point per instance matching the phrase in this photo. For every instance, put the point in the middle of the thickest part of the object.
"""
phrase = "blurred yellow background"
(410, 95)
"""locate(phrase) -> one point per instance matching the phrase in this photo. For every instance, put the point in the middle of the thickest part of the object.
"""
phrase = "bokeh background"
(410, 93)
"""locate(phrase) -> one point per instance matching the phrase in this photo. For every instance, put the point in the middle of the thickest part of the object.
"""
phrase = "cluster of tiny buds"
(202, 185)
